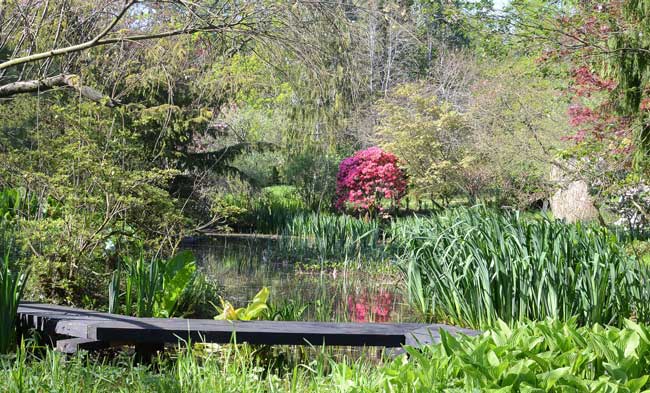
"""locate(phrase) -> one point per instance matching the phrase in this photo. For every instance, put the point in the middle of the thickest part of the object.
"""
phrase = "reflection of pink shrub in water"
(377, 309)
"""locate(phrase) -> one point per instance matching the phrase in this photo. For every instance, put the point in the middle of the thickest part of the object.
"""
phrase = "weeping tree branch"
(69, 49)
(105, 38)
(64, 81)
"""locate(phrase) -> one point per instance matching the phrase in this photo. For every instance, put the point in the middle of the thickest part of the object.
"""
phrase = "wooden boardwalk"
(72, 329)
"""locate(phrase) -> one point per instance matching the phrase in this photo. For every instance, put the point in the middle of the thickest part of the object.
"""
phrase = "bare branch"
(70, 49)
(64, 80)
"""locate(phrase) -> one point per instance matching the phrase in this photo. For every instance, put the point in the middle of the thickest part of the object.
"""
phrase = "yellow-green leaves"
(255, 310)
(425, 133)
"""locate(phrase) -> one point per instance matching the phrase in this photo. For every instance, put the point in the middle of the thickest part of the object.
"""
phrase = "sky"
(500, 3)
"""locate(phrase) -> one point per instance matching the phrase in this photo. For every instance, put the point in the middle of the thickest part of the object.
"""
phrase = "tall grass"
(474, 266)
(332, 236)
(12, 285)
(154, 287)
(231, 369)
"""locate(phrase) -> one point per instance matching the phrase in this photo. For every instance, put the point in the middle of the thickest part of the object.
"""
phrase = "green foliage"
(79, 189)
(259, 168)
(313, 173)
(547, 356)
(178, 274)
(287, 310)
(12, 285)
(629, 63)
(518, 117)
(474, 266)
(241, 208)
(11, 202)
(155, 286)
(274, 209)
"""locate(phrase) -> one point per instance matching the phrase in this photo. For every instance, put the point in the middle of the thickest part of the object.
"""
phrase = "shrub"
(368, 177)
(313, 174)
(474, 266)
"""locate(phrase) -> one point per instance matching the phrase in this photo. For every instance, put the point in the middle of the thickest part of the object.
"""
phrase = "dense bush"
(313, 173)
(473, 266)
(273, 209)
(367, 178)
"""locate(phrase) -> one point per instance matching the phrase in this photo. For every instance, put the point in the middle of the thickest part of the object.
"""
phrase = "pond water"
(242, 265)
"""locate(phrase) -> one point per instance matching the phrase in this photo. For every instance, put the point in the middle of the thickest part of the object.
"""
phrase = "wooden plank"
(431, 334)
(104, 327)
(73, 345)
(254, 332)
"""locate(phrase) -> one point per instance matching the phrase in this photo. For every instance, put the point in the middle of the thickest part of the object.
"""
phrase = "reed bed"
(332, 236)
(474, 266)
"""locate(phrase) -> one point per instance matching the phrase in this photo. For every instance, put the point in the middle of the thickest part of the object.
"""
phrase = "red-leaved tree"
(367, 178)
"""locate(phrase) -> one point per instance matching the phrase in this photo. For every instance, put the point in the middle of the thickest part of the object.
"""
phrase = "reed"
(332, 236)
(473, 266)
(12, 285)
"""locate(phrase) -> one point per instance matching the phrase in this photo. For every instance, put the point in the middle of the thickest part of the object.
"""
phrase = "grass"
(474, 266)
(547, 356)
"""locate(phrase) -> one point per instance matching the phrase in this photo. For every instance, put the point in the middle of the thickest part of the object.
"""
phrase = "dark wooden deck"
(74, 329)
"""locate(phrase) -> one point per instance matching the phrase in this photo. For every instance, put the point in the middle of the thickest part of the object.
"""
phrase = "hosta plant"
(547, 356)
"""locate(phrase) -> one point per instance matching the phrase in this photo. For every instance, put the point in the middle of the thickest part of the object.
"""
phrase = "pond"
(242, 265)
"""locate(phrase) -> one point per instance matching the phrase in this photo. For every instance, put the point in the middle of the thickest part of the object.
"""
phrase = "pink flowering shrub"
(368, 177)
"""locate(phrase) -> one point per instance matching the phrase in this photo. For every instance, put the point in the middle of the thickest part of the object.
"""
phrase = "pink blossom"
(367, 177)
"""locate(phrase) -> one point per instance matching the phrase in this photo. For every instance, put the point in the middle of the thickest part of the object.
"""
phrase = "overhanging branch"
(63, 80)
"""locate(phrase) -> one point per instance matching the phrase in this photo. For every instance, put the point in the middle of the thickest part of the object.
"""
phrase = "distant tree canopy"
(144, 120)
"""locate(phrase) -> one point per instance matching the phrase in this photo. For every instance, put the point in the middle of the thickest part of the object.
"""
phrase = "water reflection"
(332, 291)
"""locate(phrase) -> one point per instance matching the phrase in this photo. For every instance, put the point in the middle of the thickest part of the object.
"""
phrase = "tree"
(518, 119)
(43, 42)
(427, 134)
(603, 48)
